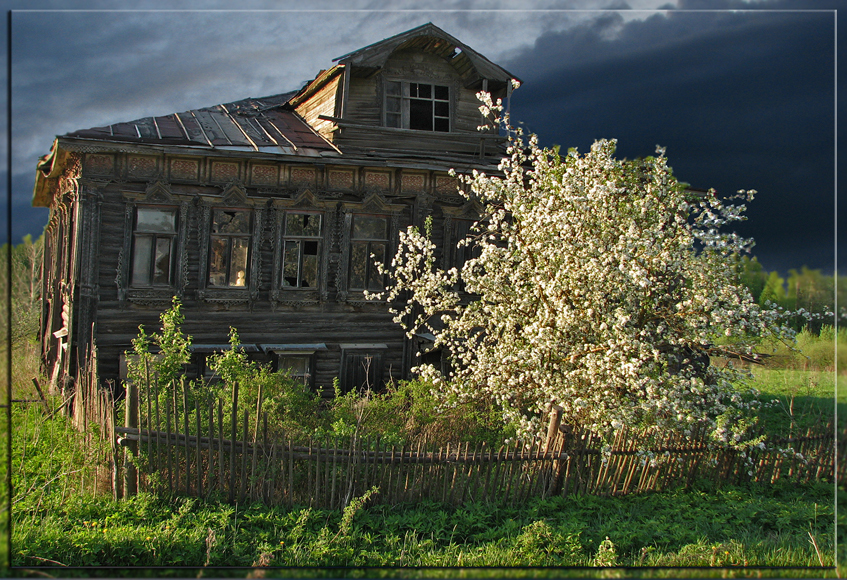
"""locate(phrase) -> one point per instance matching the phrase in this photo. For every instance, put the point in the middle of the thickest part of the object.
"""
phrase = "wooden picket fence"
(185, 449)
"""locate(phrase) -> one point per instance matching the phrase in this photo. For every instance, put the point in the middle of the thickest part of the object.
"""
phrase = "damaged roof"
(253, 124)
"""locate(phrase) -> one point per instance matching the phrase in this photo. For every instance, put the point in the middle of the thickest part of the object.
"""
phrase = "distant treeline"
(25, 296)
(805, 289)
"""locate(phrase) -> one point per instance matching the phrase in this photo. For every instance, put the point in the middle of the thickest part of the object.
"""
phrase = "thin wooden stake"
(242, 491)
(197, 455)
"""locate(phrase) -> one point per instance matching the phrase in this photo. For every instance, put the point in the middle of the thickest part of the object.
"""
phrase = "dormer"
(415, 91)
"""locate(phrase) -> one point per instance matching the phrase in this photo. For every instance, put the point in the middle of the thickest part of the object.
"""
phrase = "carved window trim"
(456, 221)
(279, 352)
(304, 203)
(158, 195)
(373, 205)
(233, 198)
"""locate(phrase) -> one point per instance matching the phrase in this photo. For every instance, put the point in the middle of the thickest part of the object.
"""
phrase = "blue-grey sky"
(742, 94)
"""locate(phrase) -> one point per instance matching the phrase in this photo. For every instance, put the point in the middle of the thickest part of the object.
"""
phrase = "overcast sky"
(741, 99)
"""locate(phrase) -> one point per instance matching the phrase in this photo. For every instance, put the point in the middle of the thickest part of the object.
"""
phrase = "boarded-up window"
(154, 242)
(361, 369)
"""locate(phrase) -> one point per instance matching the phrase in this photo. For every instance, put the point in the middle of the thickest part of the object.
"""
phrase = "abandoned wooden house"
(263, 214)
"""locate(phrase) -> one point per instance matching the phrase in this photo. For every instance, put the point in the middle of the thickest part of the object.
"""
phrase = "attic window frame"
(406, 101)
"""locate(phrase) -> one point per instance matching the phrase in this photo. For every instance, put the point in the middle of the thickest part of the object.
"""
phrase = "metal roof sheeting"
(252, 124)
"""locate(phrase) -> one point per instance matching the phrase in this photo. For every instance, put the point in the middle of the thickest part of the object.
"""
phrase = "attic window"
(418, 106)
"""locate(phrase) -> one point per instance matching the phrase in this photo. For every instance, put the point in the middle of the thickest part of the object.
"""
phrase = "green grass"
(795, 399)
(725, 527)
(58, 523)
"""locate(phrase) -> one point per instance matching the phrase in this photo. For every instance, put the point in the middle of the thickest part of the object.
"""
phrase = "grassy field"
(59, 524)
(62, 529)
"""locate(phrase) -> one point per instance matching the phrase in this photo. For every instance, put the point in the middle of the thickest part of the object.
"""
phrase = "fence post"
(130, 471)
(549, 444)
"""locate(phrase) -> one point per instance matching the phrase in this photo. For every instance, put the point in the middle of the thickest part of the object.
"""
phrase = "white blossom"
(603, 285)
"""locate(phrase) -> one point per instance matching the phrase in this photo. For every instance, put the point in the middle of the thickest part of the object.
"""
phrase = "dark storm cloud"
(741, 100)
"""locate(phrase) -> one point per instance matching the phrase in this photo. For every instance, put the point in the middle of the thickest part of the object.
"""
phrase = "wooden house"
(263, 214)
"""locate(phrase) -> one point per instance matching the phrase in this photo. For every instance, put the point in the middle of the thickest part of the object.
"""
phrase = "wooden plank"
(510, 469)
(319, 501)
(233, 427)
(267, 461)
(255, 441)
(416, 483)
(158, 441)
(242, 488)
(471, 477)
(185, 426)
(197, 456)
(175, 433)
(290, 474)
(309, 475)
(444, 484)
(211, 455)
(495, 480)
(168, 446)
(221, 464)
(334, 463)
(147, 424)
(271, 496)
(130, 473)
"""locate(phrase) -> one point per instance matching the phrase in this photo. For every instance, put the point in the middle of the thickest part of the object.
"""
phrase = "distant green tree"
(24, 288)
(774, 289)
(753, 275)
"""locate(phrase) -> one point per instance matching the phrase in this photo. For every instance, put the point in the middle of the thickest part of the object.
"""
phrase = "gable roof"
(429, 38)
(250, 124)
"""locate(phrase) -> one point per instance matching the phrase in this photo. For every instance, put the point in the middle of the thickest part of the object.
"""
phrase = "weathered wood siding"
(324, 102)
(335, 317)
(365, 103)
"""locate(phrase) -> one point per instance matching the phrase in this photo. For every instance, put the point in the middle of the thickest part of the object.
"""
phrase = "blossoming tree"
(599, 285)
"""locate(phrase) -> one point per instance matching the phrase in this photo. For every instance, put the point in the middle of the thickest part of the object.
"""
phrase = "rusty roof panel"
(125, 130)
(147, 128)
(210, 127)
(253, 130)
(296, 130)
(192, 128)
(273, 131)
(230, 127)
(169, 127)
(251, 123)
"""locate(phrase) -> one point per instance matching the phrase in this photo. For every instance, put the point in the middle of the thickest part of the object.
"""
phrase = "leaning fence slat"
(234, 427)
(242, 488)
(197, 455)
(290, 457)
(267, 461)
(255, 442)
(211, 455)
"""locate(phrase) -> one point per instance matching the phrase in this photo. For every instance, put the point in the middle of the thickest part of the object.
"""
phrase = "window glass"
(369, 238)
(155, 220)
(370, 228)
(231, 222)
(358, 265)
(154, 239)
(301, 250)
(141, 260)
(298, 367)
(230, 248)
